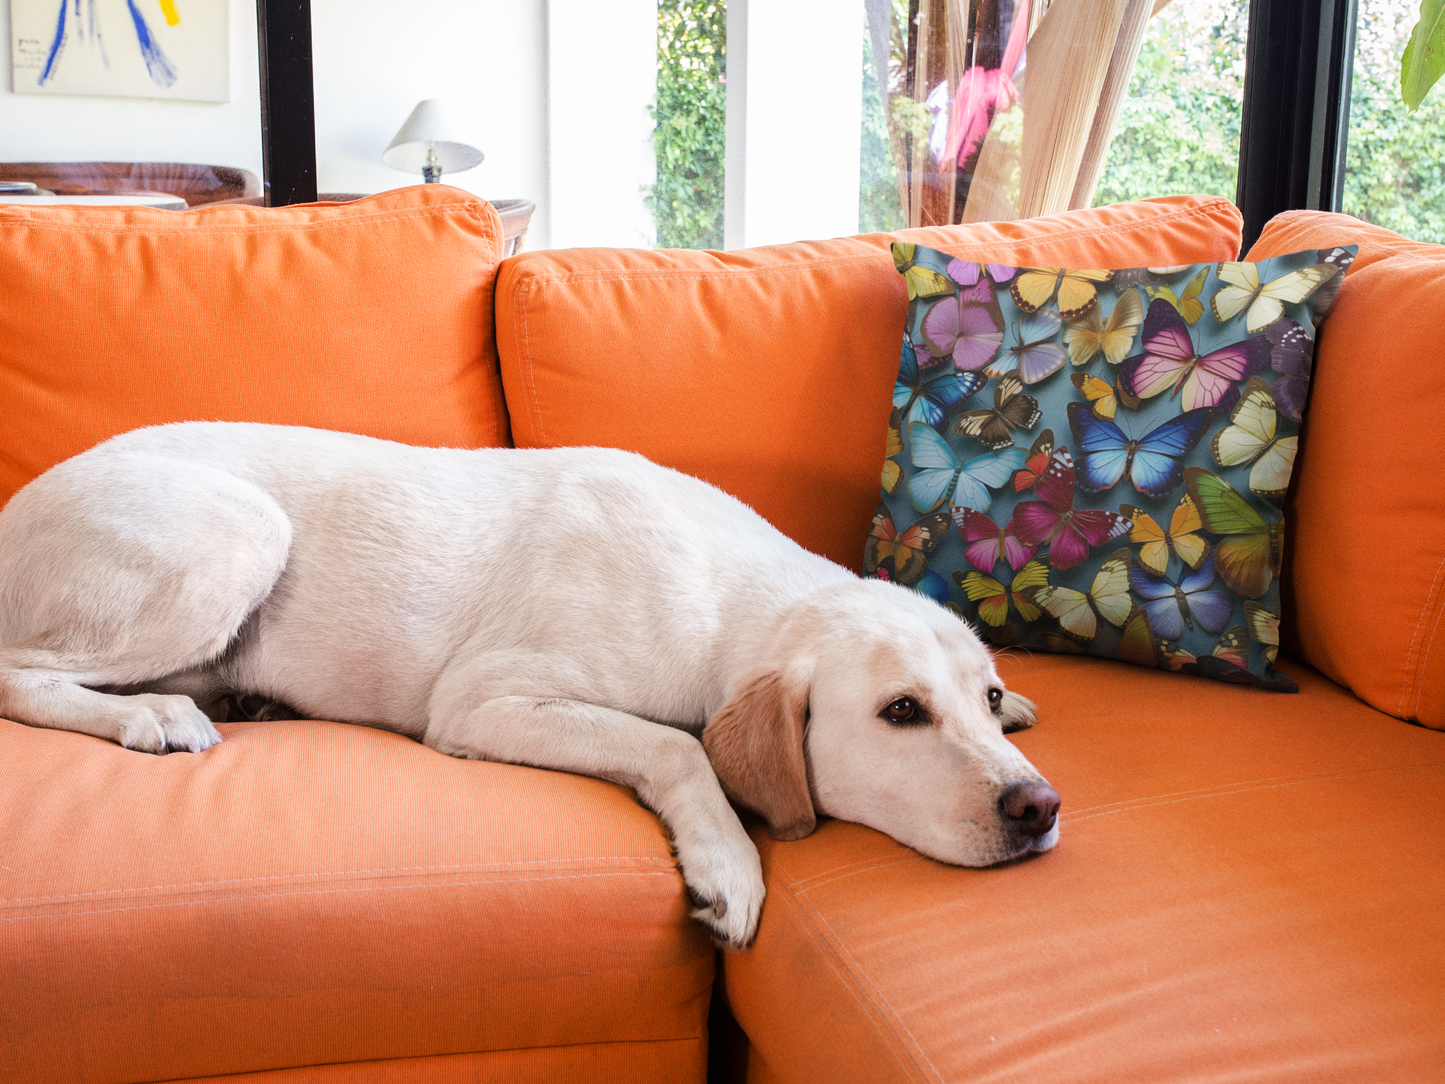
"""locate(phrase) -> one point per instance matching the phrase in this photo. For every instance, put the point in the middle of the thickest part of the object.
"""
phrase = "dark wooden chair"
(196, 184)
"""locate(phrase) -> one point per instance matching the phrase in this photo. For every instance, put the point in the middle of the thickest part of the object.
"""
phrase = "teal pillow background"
(1218, 373)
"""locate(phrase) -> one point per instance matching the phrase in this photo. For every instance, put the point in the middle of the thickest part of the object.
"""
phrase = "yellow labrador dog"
(579, 609)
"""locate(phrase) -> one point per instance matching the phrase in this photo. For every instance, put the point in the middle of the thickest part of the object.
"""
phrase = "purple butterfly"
(1292, 353)
(969, 326)
(1170, 364)
(966, 274)
(1324, 297)
(1170, 606)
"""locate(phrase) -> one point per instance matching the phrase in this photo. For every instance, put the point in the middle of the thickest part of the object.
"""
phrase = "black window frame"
(1298, 60)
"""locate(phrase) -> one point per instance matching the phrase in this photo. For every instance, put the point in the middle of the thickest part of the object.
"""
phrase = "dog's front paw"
(158, 723)
(725, 884)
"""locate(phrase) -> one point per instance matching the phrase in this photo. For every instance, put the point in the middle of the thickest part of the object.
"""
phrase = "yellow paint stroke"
(168, 7)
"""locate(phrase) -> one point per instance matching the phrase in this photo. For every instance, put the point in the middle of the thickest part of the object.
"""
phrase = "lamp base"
(431, 174)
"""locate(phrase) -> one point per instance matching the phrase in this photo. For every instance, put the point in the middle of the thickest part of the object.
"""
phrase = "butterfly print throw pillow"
(1095, 461)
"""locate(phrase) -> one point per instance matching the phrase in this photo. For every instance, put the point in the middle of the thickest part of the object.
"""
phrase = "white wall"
(64, 128)
(794, 120)
(602, 76)
(373, 60)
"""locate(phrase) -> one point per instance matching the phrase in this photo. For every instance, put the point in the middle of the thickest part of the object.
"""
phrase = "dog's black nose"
(1030, 809)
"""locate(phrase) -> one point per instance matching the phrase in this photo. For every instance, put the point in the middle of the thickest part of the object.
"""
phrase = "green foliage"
(1424, 60)
(689, 137)
(879, 208)
(1394, 161)
(1178, 129)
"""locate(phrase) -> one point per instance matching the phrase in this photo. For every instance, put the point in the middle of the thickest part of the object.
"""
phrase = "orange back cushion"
(372, 317)
(769, 371)
(1364, 586)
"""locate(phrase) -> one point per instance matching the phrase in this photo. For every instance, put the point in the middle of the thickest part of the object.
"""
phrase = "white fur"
(543, 607)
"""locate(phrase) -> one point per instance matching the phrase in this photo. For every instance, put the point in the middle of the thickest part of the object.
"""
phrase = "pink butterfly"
(969, 326)
(987, 540)
(1070, 532)
(1170, 363)
(966, 274)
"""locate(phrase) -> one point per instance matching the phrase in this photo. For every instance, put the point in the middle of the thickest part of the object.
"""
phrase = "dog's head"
(878, 706)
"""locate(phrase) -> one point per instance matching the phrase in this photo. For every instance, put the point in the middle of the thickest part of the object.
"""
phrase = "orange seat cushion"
(769, 371)
(370, 317)
(313, 894)
(1364, 583)
(1242, 891)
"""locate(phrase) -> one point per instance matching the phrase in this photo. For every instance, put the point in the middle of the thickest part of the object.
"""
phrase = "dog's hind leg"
(119, 576)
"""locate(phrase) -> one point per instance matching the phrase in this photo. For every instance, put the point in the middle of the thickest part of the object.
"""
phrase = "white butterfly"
(1034, 358)
(1251, 439)
(1264, 300)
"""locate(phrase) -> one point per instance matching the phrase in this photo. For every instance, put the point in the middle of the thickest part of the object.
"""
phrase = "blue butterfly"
(1170, 606)
(929, 396)
(1153, 461)
(940, 477)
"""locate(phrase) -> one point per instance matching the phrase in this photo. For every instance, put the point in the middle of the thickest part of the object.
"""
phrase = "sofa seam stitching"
(1431, 600)
(843, 872)
(1424, 657)
(333, 891)
(431, 1057)
(1229, 792)
(333, 873)
(533, 399)
(1250, 784)
(628, 274)
(203, 228)
(830, 945)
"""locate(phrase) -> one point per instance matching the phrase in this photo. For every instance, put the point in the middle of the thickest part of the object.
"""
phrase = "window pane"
(1002, 109)
(1178, 130)
(1394, 160)
(690, 114)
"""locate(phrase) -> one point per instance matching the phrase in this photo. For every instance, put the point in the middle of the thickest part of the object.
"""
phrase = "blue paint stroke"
(49, 69)
(95, 35)
(163, 72)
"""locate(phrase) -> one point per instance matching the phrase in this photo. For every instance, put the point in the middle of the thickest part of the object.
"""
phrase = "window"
(1394, 160)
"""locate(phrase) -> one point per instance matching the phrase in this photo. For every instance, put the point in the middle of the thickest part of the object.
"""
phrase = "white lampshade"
(429, 129)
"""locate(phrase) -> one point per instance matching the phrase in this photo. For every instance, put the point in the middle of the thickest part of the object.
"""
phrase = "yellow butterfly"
(1264, 300)
(1075, 610)
(1187, 304)
(1263, 628)
(1062, 644)
(1077, 291)
(1249, 553)
(993, 598)
(1136, 644)
(1180, 540)
(1103, 396)
(1251, 439)
(922, 281)
(893, 445)
(1232, 647)
(1089, 334)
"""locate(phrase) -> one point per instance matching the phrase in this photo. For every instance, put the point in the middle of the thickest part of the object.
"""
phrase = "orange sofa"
(1247, 886)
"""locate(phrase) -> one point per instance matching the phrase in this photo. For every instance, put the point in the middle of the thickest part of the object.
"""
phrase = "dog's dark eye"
(995, 700)
(905, 711)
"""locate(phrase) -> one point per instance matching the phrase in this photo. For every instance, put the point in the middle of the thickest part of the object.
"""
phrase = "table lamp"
(424, 143)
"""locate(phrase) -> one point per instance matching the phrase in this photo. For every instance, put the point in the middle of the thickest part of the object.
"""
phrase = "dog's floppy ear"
(755, 744)
(1019, 712)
